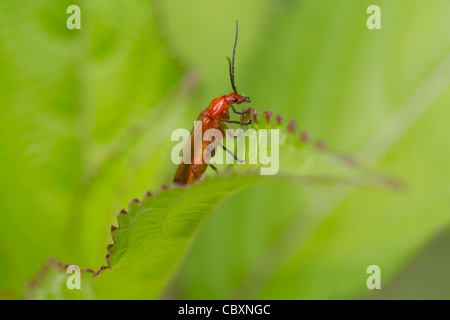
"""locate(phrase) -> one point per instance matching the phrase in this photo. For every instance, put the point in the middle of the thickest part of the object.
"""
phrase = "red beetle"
(213, 117)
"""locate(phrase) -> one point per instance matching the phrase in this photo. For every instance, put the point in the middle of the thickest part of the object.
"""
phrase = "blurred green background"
(87, 116)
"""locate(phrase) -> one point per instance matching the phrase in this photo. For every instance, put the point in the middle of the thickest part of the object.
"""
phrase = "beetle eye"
(234, 99)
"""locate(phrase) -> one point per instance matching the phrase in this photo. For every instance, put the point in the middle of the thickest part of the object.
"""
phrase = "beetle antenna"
(231, 63)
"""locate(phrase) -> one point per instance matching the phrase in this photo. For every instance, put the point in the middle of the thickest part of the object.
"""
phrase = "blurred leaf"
(154, 235)
(382, 95)
(69, 98)
(87, 115)
(51, 283)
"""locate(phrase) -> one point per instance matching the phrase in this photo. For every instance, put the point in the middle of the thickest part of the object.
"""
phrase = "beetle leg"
(237, 112)
(230, 152)
(241, 123)
(215, 169)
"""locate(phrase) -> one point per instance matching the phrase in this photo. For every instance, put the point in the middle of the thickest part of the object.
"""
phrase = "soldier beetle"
(213, 117)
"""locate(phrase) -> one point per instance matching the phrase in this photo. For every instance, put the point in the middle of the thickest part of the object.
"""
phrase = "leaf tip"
(135, 200)
(292, 126)
(255, 116)
(268, 114)
(304, 136)
(279, 118)
(320, 145)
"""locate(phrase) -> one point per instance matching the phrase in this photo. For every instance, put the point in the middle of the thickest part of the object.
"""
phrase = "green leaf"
(381, 95)
(87, 115)
(154, 235)
(72, 106)
(52, 283)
